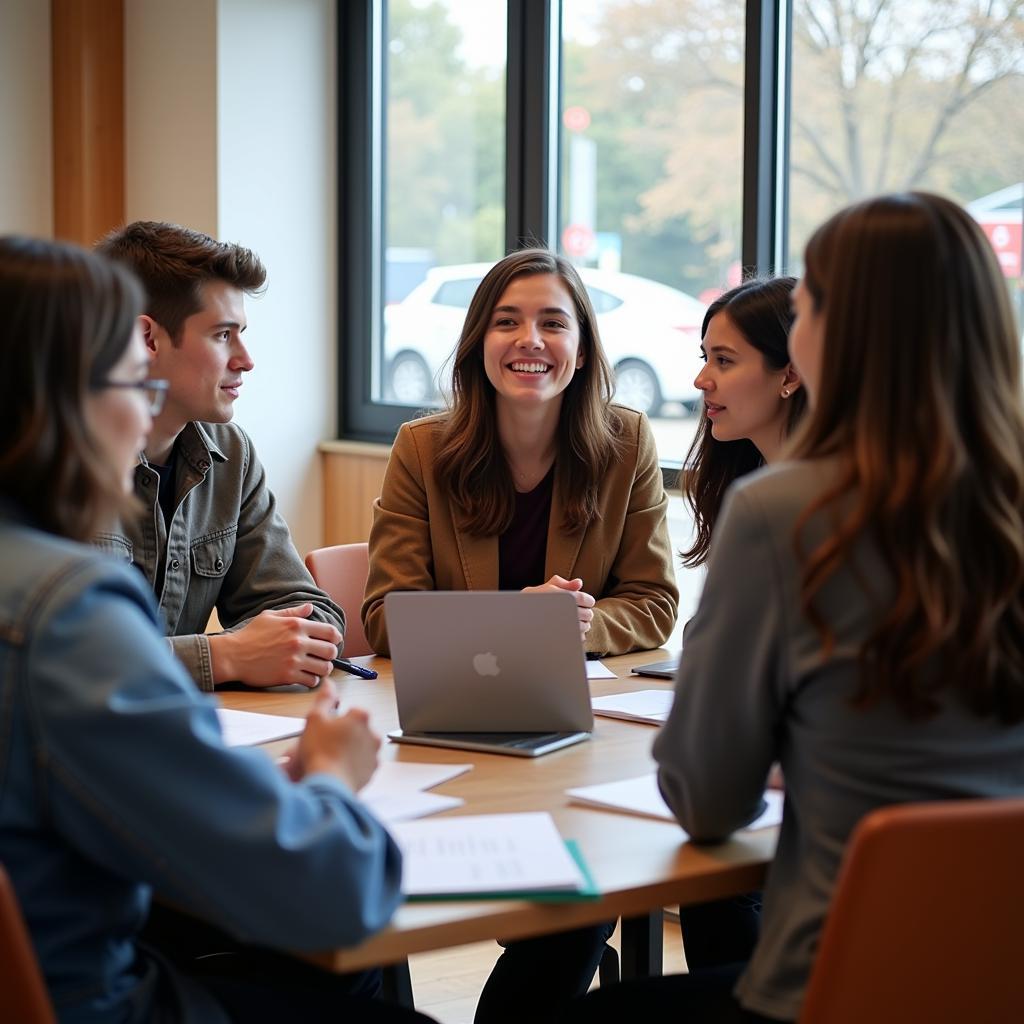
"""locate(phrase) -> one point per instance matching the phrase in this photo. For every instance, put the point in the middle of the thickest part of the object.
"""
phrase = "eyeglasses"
(154, 391)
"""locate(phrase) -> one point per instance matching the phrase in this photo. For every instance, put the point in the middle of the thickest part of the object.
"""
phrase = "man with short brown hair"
(211, 536)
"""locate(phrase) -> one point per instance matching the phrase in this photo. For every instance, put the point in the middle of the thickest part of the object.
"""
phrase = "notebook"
(497, 671)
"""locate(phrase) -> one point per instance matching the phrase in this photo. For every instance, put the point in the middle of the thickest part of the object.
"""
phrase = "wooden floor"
(446, 983)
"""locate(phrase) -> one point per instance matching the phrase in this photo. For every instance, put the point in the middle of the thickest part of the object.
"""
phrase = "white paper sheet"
(394, 807)
(650, 706)
(248, 728)
(599, 670)
(485, 853)
(641, 796)
(399, 778)
(396, 791)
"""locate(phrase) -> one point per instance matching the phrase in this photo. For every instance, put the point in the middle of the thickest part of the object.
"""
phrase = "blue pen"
(356, 670)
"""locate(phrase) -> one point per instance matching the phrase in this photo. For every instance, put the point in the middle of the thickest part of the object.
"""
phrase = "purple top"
(522, 548)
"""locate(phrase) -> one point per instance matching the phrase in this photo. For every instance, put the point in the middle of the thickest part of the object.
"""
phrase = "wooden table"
(639, 864)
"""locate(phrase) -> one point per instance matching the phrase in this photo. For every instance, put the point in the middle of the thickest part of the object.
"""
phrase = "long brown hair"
(920, 404)
(760, 310)
(66, 317)
(470, 462)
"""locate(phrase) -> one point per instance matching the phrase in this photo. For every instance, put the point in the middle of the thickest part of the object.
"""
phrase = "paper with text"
(485, 853)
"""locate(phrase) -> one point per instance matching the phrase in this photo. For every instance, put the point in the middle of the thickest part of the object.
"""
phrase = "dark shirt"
(522, 548)
(167, 494)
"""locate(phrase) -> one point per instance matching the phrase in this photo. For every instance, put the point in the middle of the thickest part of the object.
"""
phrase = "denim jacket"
(227, 547)
(114, 781)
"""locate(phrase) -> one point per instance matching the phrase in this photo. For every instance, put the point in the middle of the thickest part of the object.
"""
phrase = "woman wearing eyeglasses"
(114, 779)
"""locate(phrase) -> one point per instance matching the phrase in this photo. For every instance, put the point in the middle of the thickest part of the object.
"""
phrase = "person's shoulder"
(422, 432)
(429, 424)
(44, 568)
(635, 439)
(782, 491)
(630, 422)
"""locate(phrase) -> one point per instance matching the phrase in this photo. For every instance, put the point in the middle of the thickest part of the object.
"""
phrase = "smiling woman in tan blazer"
(531, 433)
(532, 480)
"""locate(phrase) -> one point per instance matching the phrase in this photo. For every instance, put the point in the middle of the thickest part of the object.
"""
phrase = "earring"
(785, 392)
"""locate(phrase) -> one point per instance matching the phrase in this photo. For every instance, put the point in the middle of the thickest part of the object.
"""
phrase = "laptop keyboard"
(519, 740)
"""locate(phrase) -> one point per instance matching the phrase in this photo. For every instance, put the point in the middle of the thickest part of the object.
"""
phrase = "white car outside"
(650, 332)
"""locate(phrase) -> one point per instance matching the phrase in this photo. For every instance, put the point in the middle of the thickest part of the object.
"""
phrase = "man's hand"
(339, 745)
(584, 602)
(276, 647)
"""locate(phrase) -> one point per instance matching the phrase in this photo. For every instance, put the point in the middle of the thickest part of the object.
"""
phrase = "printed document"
(486, 854)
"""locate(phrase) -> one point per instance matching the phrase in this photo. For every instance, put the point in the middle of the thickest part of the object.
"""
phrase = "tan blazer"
(624, 558)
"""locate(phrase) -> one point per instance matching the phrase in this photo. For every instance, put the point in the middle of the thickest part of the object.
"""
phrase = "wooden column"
(88, 118)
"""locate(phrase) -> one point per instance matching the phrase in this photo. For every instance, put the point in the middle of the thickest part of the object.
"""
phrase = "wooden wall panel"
(88, 118)
(353, 474)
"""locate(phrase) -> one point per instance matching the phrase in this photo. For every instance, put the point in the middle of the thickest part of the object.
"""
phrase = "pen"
(357, 670)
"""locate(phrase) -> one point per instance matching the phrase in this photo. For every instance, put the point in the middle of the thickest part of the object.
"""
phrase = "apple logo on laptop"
(486, 664)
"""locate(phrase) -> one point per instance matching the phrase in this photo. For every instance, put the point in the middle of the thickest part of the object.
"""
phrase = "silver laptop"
(499, 671)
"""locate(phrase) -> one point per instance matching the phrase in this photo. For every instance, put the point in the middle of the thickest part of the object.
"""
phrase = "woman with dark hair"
(114, 779)
(532, 480)
(863, 617)
(752, 403)
(752, 398)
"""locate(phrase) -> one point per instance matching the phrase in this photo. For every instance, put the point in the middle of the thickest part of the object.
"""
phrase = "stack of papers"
(490, 856)
(650, 706)
(642, 796)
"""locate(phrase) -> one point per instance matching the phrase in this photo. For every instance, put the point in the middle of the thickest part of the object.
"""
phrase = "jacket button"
(175, 564)
(219, 564)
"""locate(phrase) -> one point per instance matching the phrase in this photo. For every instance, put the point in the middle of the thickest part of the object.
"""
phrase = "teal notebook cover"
(589, 891)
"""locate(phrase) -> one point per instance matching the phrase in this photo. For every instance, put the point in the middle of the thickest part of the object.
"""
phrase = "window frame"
(531, 173)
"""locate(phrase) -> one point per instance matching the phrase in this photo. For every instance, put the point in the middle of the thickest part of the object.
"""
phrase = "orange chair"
(23, 995)
(341, 572)
(927, 921)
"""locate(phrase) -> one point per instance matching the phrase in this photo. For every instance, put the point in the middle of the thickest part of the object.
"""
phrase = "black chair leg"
(396, 984)
(643, 941)
(608, 969)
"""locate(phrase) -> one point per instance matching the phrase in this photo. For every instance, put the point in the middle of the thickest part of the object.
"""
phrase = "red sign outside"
(576, 119)
(577, 240)
(1005, 236)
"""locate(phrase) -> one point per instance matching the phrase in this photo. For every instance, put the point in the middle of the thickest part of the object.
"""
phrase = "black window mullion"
(362, 31)
(531, 131)
(766, 135)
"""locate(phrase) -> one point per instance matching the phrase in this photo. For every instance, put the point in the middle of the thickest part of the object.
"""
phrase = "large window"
(910, 94)
(669, 147)
(444, 181)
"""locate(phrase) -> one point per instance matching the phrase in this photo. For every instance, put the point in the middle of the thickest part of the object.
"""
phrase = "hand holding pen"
(350, 666)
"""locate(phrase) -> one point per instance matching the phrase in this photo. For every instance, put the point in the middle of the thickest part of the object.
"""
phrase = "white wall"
(230, 128)
(171, 112)
(277, 138)
(26, 149)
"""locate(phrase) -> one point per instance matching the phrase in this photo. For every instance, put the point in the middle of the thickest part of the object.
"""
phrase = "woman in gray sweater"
(863, 617)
